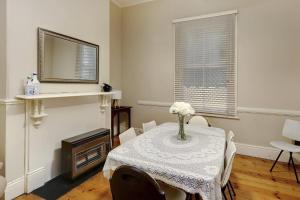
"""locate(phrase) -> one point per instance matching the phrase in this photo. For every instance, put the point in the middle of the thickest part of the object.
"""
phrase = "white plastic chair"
(229, 137)
(2, 183)
(198, 120)
(229, 158)
(291, 130)
(171, 192)
(149, 125)
(127, 135)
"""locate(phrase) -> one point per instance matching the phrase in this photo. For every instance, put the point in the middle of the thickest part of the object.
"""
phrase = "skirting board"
(264, 152)
(36, 179)
(15, 188)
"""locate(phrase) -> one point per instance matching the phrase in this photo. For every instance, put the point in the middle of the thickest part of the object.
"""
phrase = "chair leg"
(276, 160)
(232, 188)
(188, 196)
(289, 161)
(223, 192)
(197, 196)
(291, 155)
(231, 198)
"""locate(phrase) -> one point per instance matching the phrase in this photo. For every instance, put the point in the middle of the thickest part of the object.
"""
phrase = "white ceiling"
(127, 3)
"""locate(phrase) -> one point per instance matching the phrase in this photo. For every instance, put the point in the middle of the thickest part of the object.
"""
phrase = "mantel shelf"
(35, 107)
(62, 95)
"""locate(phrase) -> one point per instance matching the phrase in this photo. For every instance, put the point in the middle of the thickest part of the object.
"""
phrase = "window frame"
(229, 12)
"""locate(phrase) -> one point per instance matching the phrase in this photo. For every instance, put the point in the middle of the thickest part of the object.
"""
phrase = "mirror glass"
(66, 59)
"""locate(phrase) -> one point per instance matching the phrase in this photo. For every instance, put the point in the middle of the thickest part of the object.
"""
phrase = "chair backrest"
(229, 157)
(149, 125)
(198, 120)
(130, 183)
(291, 129)
(229, 137)
(127, 135)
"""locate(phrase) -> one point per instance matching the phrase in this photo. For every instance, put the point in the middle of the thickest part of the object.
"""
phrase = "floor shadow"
(59, 186)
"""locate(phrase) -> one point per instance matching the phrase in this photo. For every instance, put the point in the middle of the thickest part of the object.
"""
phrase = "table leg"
(129, 119)
(112, 130)
(118, 123)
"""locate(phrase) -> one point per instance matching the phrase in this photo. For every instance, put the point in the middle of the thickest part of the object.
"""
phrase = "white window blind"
(86, 63)
(205, 64)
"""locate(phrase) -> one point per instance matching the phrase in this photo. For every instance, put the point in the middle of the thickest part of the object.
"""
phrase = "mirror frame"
(41, 36)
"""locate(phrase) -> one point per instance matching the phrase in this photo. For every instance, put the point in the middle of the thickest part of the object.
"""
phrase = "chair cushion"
(172, 193)
(286, 146)
(2, 186)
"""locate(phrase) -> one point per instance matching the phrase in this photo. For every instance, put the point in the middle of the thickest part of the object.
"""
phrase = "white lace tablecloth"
(194, 165)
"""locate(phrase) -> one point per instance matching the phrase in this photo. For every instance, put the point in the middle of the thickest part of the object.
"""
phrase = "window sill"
(218, 116)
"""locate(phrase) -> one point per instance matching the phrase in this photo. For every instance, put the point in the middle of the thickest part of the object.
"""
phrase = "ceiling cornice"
(123, 4)
(116, 3)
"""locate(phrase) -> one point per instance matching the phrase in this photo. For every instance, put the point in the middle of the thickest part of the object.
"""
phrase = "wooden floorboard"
(250, 177)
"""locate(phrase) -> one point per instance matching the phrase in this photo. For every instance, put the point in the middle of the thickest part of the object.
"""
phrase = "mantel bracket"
(37, 112)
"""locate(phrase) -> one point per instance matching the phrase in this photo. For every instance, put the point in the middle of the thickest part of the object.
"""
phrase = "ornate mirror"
(63, 59)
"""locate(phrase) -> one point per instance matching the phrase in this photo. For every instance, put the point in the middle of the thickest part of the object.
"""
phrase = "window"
(205, 63)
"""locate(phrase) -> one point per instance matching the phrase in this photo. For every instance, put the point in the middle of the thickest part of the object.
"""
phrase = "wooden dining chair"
(130, 183)
(127, 135)
(199, 120)
(149, 125)
(229, 158)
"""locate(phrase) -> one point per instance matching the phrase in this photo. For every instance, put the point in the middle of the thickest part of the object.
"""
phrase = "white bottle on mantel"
(36, 84)
(29, 86)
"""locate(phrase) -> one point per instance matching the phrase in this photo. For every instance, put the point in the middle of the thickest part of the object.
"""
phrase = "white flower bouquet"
(182, 109)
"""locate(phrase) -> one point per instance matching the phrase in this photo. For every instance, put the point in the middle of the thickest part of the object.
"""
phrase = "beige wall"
(268, 61)
(2, 48)
(76, 18)
(2, 78)
(86, 20)
(115, 46)
(116, 40)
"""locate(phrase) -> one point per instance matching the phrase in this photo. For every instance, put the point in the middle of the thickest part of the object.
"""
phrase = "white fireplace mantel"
(34, 110)
(37, 111)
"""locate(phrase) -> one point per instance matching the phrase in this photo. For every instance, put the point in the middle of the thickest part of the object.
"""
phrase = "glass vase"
(181, 134)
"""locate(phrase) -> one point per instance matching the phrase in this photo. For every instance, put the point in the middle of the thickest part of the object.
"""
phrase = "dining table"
(194, 165)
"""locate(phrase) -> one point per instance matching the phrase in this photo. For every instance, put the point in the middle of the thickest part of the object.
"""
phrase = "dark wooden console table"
(117, 111)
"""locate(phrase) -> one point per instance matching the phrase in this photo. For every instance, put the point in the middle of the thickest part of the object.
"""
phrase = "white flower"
(182, 108)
